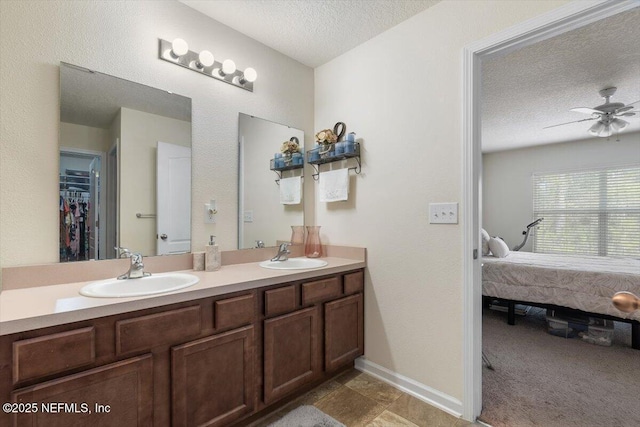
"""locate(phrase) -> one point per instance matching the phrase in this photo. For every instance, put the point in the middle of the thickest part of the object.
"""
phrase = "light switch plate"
(248, 216)
(443, 213)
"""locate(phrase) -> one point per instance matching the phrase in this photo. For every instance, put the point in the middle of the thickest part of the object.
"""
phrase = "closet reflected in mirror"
(125, 167)
(266, 209)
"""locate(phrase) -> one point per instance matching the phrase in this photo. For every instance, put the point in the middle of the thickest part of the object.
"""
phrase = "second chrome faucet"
(283, 252)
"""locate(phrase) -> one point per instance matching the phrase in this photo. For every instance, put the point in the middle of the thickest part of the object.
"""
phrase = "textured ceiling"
(93, 99)
(537, 86)
(523, 92)
(312, 32)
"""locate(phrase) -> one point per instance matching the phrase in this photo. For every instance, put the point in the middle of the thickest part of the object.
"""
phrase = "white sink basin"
(294, 264)
(149, 285)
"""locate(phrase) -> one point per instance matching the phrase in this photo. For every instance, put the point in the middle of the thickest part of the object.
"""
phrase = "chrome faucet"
(136, 268)
(283, 252)
(259, 244)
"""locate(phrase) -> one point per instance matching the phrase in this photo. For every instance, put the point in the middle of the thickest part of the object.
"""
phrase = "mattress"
(582, 282)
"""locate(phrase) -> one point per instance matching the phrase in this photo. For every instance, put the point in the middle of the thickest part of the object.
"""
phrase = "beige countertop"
(44, 306)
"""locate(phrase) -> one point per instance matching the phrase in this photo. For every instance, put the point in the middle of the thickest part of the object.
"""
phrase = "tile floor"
(359, 400)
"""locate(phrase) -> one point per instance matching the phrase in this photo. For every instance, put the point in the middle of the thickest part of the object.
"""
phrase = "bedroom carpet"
(544, 380)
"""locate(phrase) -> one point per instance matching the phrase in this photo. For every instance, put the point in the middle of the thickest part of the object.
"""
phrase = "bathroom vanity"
(193, 359)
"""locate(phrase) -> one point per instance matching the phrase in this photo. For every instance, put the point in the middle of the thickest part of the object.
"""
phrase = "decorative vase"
(297, 234)
(313, 246)
(325, 150)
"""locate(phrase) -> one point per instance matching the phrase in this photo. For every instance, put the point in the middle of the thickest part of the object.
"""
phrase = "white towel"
(291, 190)
(334, 185)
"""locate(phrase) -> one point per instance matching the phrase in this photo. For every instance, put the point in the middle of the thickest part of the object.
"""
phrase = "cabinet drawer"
(146, 332)
(126, 386)
(321, 290)
(353, 282)
(51, 354)
(234, 312)
(279, 301)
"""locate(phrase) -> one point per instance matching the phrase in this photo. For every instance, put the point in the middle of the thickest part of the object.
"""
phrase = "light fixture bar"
(192, 61)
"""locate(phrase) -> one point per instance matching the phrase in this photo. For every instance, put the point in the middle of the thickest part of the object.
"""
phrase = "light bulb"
(205, 59)
(250, 75)
(596, 128)
(179, 47)
(228, 66)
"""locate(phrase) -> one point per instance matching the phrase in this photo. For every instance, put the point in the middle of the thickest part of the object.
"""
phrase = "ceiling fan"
(607, 115)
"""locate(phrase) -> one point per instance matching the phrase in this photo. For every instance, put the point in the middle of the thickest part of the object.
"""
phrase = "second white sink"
(294, 264)
(149, 285)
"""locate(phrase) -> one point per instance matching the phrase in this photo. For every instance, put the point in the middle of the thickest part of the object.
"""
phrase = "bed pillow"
(485, 242)
(498, 247)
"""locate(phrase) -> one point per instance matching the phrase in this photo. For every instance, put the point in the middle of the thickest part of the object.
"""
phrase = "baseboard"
(420, 391)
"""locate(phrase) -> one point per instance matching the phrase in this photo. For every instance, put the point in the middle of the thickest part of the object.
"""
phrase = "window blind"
(594, 212)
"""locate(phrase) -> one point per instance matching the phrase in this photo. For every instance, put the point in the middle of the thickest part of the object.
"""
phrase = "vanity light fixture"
(179, 48)
(177, 52)
(228, 67)
(249, 75)
(205, 59)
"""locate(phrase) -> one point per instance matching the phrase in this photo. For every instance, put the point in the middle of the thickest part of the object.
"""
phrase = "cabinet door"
(291, 352)
(119, 394)
(213, 382)
(343, 331)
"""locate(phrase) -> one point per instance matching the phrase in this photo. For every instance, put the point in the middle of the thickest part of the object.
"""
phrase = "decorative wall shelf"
(279, 170)
(316, 159)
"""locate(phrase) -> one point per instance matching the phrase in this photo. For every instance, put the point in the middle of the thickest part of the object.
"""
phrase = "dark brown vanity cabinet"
(291, 352)
(212, 379)
(214, 361)
(343, 331)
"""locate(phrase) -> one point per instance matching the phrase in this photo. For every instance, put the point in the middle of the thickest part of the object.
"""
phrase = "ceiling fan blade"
(585, 110)
(627, 114)
(575, 121)
(623, 109)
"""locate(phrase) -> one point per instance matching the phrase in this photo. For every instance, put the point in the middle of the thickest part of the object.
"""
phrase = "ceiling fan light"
(618, 124)
(605, 132)
(596, 128)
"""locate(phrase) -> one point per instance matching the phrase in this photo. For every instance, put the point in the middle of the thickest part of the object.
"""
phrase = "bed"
(583, 283)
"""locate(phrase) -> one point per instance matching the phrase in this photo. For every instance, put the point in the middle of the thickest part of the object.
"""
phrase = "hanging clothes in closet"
(74, 229)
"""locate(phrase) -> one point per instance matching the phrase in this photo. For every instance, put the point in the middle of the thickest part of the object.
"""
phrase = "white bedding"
(582, 282)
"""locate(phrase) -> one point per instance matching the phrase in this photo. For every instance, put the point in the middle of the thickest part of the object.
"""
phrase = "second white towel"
(291, 190)
(334, 185)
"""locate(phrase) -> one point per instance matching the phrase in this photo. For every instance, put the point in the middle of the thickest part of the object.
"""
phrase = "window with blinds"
(595, 212)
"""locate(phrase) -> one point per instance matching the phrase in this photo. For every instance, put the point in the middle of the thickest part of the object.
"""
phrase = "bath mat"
(306, 416)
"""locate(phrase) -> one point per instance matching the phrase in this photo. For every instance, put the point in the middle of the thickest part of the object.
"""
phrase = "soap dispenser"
(212, 256)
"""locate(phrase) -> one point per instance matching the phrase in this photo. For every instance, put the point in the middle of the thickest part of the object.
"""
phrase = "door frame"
(102, 208)
(565, 18)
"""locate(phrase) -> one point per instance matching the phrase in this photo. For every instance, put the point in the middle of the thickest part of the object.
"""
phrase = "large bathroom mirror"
(125, 167)
(266, 213)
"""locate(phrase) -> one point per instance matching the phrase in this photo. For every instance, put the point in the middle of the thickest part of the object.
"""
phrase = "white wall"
(84, 137)
(140, 133)
(121, 39)
(401, 93)
(507, 193)
(272, 220)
